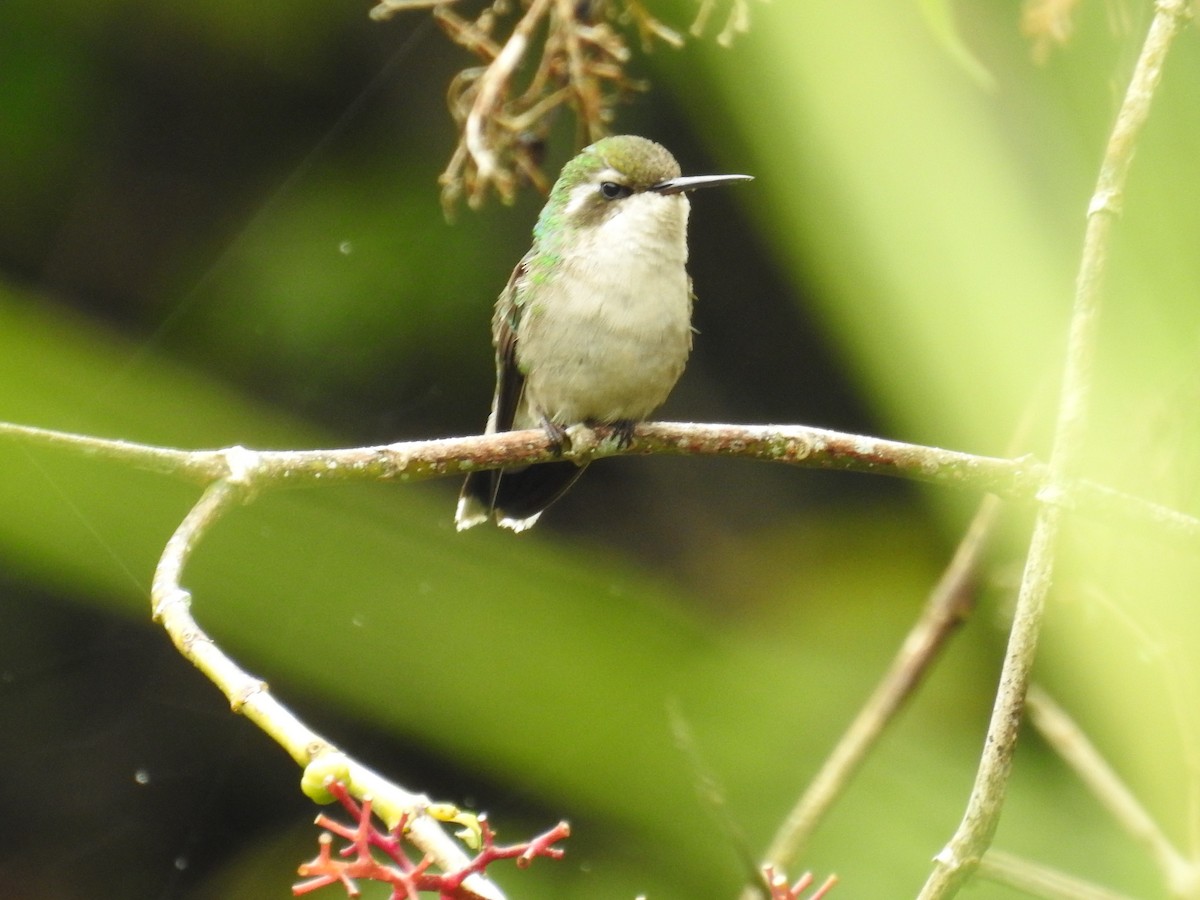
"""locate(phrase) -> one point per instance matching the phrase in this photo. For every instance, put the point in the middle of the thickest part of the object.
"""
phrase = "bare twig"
(164, 460)
(236, 473)
(961, 856)
(948, 605)
(1016, 479)
(1068, 740)
(1039, 881)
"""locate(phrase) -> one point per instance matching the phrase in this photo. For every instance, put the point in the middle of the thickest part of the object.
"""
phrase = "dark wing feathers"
(509, 381)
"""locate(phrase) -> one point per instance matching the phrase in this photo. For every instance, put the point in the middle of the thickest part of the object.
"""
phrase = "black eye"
(610, 190)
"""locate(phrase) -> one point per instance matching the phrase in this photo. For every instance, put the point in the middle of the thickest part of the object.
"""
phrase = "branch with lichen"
(1018, 479)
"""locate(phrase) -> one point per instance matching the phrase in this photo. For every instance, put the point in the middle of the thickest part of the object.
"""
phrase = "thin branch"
(1104, 504)
(1017, 479)
(250, 696)
(960, 857)
(164, 460)
(949, 604)
(1040, 881)
(1069, 741)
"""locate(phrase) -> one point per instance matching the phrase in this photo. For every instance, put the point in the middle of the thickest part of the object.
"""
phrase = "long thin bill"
(694, 182)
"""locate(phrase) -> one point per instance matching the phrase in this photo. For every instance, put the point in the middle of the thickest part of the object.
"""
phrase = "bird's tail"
(516, 496)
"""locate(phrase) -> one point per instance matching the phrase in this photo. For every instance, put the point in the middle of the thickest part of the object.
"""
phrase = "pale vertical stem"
(961, 856)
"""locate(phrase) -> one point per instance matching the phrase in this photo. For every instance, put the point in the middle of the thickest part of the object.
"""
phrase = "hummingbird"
(594, 325)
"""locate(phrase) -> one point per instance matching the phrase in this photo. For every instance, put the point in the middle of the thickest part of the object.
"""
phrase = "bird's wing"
(510, 382)
(480, 489)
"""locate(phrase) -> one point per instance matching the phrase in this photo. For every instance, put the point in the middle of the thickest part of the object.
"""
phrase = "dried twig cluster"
(538, 57)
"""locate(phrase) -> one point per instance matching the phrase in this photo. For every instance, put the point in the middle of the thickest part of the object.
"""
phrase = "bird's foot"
(622, 430)
(557, 435)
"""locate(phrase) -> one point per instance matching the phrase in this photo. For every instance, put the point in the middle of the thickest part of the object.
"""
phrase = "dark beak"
(693, 182)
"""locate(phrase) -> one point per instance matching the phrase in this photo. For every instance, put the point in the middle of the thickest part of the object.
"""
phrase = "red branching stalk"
(777, 884)
(408, 879)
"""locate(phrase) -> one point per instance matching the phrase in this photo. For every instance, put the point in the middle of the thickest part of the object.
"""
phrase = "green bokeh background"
(221, 225)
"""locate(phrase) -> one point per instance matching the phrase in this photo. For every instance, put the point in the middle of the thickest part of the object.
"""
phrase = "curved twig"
(251, 697)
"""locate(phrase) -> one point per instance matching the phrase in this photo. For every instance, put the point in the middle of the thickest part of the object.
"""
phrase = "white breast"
(609, 333)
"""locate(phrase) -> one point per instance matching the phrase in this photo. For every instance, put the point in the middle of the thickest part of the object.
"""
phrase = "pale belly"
(608, 354)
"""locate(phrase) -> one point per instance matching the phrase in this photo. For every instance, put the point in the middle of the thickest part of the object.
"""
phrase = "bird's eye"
(610, 190)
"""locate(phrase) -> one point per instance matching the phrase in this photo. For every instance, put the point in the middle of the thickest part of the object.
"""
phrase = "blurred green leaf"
(939, 15)
(926, 237)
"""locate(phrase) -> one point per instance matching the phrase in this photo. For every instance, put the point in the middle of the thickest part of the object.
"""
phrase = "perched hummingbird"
(594, 326)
